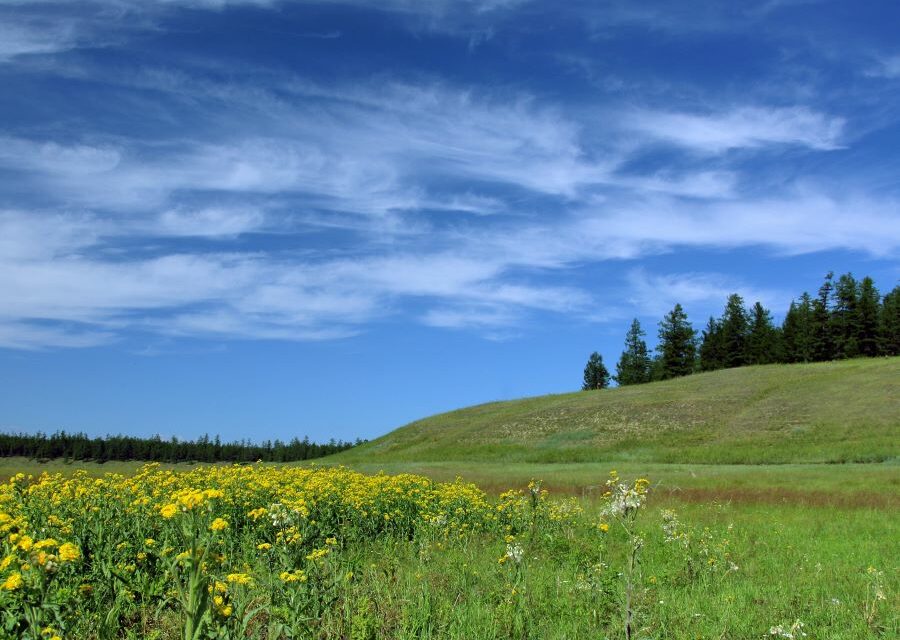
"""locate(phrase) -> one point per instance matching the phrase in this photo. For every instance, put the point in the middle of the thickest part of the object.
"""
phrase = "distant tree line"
(848, 318)
(78, 446)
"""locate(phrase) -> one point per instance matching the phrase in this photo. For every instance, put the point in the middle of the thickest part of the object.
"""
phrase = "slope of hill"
(826, 412)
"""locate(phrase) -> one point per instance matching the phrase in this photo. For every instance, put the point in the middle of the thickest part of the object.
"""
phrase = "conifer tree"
(735, 327)
(595, 374)
(711, 348)
(677, 345)
(634, 364)
(657, 372)
(820, 322)
(796, 331)
(867, 318)
(889, 323)
(762, 340)
(844, 317)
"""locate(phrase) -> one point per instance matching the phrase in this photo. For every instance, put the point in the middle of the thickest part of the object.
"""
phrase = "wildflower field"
(275, 552)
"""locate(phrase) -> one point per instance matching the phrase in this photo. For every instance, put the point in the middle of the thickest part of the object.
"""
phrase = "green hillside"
(826, 412)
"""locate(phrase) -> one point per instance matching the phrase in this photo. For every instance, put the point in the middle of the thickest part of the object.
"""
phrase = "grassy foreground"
(746, 529)
(845, 411)
(328, 553)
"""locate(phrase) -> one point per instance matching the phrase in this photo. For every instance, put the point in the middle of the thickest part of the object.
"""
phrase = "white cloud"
(802, 222)
(115, 245)
(56, 269)
(701, 184)
(32, 27)
(31, 336)
(742, 127)
(702, 294)
(366, 151)
(212, 222)
(17, 39)
(52, 158)
(885, 67)
(480, 317)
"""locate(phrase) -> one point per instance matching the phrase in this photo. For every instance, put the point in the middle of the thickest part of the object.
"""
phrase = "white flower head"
(515, 553)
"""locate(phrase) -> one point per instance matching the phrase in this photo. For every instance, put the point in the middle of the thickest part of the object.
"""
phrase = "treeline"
(848, 318)
(78, 446)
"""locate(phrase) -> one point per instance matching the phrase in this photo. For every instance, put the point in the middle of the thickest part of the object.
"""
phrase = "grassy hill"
(826, 412)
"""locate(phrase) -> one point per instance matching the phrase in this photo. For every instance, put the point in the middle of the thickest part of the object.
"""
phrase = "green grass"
(793, 564)
(745, 455)
(874, 485)
(13, 465)
(777, 414)
(802, 536)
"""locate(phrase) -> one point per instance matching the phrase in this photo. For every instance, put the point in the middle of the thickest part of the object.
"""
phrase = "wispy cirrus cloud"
(451, 204)
(50, 26)
(885, 66)
(742, 127)
(703, 293)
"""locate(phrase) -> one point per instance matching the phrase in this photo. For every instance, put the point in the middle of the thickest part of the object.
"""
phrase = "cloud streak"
(251, 202)
(742, 128)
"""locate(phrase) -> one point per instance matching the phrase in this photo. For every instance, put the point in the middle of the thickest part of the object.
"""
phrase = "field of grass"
(13, 465)
(770, 532)
(827, 412)
(397, 557)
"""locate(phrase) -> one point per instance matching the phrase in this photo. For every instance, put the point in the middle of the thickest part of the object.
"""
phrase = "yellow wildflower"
(43, 544)
(219, 524)
(13, 581)
(168, 511)
(68, 552)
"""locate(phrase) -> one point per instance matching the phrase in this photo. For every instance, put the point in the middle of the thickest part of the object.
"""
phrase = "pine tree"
(796, 331)
(677, 345)
(657, 371)
(595, 374)
(889, 323)
(867, 318)
(735, 327)
(762, 341)
(820, 322)
(711, 348)
(634, 364)
(844, 318)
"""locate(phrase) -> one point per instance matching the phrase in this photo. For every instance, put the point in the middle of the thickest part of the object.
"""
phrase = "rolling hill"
(833, 412)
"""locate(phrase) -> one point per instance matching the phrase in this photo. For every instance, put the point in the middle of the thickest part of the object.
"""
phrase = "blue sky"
(267, 218)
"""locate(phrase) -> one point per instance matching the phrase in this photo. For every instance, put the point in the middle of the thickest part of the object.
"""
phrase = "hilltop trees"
(712, 351)
(889, 324)
(596, 375)
(735, 327)
(848, 318)
(820, 321)
(763, 339)
(867, 318)
(844, 318)
(677, 347)
(740, 337)
(634, 364)
(797, 331)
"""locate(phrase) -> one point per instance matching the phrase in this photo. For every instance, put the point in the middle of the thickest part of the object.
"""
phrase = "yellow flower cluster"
(241, 527)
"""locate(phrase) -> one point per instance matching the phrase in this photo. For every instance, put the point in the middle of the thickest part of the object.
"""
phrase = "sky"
(266, 219)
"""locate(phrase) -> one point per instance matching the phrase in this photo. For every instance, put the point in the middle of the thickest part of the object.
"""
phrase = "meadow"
(782, 529)
(322, 552)
(827, 412)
